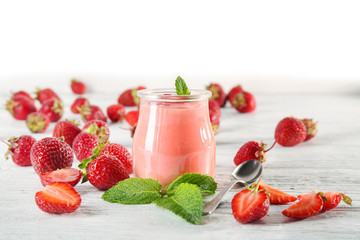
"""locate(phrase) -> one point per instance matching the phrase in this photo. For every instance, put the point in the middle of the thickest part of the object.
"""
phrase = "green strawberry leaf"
(134, 191)
(206, 183)
(181, 88)
(186, 203)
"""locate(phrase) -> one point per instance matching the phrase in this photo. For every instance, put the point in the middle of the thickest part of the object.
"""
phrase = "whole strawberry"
(19, 149)
(92, 112)
(250, 204)
(132, 117)
(251, 150)
(70, 176)
(233, 91)
(311, 128)
(66, 129)
(121, 153)
(116, 112)
(78, 87)
(53, 109)
(49, 154)
(23, 94)
(20, 107)
(97, 128)
(243, 102)
(37, 122)
(78, 104)
(290, 132)
(84, 144)
(214, 114)
(218, 93)
(104, 171)
(45, 94)
(129, 97)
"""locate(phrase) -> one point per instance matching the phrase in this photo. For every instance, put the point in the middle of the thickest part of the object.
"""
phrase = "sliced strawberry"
(58, 198)
(66, 175)
(132, 117)
(308, 205)
(332, 200)
(276, 196)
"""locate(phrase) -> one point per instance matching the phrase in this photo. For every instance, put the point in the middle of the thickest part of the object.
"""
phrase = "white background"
(151, 42)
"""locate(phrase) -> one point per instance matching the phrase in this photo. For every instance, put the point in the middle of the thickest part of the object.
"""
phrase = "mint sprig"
(181, 87)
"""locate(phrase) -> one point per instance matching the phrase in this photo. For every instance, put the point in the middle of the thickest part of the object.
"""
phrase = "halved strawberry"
(58, 198)
(308, 205)
(332, 200)
(276, 196)
(67, 175)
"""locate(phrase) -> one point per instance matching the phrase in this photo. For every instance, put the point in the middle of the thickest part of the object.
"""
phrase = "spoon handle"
(214, 203)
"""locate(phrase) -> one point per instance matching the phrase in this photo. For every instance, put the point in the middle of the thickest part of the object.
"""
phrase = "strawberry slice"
(308, 205)
(132, 117)
(276, 196)
(332, 200)
(58, 198)
(66, 175)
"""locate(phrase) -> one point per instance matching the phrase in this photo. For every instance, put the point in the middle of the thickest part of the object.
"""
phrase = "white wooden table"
(329, 162)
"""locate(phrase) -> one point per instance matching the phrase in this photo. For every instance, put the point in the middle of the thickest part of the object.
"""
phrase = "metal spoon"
(246, 173)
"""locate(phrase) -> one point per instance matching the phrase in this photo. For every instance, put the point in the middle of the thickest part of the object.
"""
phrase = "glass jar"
(173, 135)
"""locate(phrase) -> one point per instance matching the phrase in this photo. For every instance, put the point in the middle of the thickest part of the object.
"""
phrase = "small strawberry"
(70, 176)
(98, 128)
(250, 204)
(332, 200)
(58, 198)
(92, 112)
(53, 108)
(66, 129)
(214, 114)
(276, 196)
(121, 153)
(129, 97)
(308, 205)
(218, 93)
(78, 104)
(23, 94)
(290, 132)
(45, 94)
(252, 150)
(116, 112)
(243, 102)
(84, 144)
(132, 117)
(311, 128)
(37, 122)
(78, 87)
(20, 107)
(104, 171)
(233, 91)
(19, 149)
(49, 154)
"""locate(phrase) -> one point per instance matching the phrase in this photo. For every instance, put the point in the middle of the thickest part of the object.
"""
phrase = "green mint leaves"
(181, 88)
(183, 196)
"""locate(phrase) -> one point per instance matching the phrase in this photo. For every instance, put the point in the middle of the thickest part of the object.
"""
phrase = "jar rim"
(169, 95)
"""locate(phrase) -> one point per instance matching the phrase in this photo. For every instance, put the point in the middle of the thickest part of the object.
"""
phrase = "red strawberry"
(92, 112)
(67, 129)
(98, 128)
(45, 94)
(132, 117)
(311, 128)
(233, 91)
(243, 102)
(58, 198)
(53, 108)
(23, 94)
(37, 122)
(252, 150)
(332, 200)
(250, 204)
(116, 112)
(70, 176)
(78, 104)
(78, 87)
(19, 149)
(218, 93)
(20, 107)
(121, 153)
(276, 196)
(84, 144)
(49, 154)
(214, 114)
(308, 205)
(129, 97)
(104, 171)
(290, 132)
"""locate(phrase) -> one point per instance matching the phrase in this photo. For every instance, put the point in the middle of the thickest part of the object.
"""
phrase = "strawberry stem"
(270, 147)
